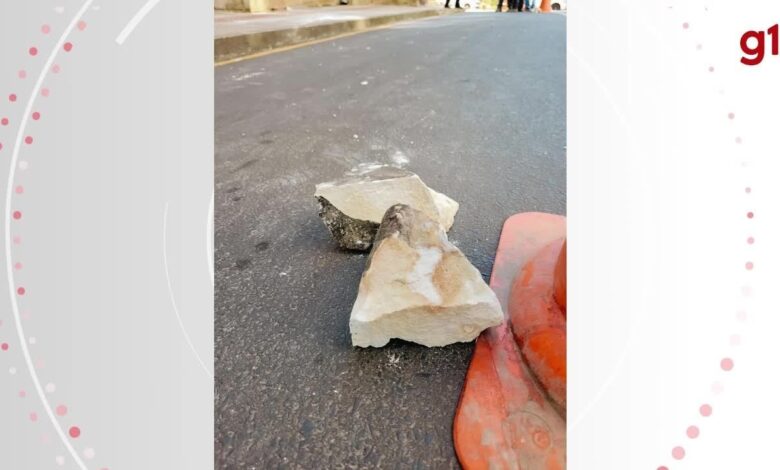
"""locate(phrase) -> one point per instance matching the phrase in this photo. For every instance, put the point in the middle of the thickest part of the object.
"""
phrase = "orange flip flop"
(511, 413)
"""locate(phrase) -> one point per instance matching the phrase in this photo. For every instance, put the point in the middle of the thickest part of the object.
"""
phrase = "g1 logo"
(753, 45)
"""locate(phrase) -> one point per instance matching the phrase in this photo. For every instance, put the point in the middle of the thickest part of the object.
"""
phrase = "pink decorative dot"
(36, 115)
(21, 291)
(17, 240)
(45, 29)
(12, 97)
(61, 410)
(705, 410)
(18, 266)
(663, 467)
(748, 190)
(33, 51)
(68, 47)
(678, 453)
(1, 146)
(19, 189)
(4, 346)
(727, 364)
(55, 69)
(738, 140)
(22, 74)
(74, 431)
(686, 26)
(22, 394)
(751, 240)
(712, 69)
(692, 432)
(28, 140)
(4, 121)
(82, 25)
(731, 115)
(45, 92)
(749, 266)
(17, 215)
(750, 215)
(33, 417)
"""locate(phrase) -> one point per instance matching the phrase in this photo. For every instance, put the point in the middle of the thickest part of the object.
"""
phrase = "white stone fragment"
(419, 287)
(350, 207)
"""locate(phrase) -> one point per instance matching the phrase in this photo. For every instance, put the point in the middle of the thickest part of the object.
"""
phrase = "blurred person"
(512, 5)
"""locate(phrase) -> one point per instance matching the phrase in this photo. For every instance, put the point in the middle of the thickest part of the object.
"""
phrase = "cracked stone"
(419, 287)
(352, 207)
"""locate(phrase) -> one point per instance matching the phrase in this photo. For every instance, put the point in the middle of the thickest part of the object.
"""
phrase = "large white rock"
(353, 206)
(419, 287)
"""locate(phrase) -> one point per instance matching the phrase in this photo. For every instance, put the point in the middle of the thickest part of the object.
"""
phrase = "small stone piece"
(419, 287)
(353, 206)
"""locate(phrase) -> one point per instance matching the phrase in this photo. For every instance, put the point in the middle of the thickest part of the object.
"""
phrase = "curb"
(234, 48)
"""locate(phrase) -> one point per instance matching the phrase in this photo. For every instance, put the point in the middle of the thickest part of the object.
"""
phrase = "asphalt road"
(476, 104)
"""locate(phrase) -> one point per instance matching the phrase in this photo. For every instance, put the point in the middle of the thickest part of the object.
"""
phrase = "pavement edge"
(245, 46)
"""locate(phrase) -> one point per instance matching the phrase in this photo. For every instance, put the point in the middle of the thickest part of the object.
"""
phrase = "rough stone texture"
(352, 207)
(419, 287)
(290, 391)
(352, 234)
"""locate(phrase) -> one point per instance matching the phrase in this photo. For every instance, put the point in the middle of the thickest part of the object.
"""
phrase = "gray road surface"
(476, 104)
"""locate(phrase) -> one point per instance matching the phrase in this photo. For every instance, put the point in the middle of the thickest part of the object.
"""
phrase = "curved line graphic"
(173, 299)
(135, 20)
(632, 328)
(9, 194)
